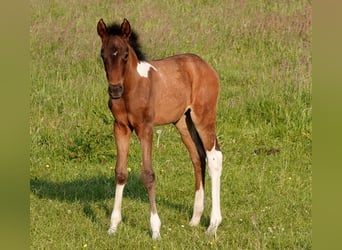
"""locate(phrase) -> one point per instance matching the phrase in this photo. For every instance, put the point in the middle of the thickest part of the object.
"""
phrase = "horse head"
(114, 54)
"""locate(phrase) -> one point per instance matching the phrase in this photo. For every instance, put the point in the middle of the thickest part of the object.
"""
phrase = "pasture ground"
(262, 52)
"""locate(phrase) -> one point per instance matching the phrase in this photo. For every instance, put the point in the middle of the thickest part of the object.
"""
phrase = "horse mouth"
(115, 92)
(114, 96)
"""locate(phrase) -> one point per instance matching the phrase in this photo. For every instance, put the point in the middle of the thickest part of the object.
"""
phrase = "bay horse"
(182, 90)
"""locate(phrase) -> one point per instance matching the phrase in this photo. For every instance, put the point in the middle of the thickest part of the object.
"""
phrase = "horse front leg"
(145, 134)
(122, 135)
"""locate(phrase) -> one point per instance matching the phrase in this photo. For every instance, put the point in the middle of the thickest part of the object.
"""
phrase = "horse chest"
(140, 116)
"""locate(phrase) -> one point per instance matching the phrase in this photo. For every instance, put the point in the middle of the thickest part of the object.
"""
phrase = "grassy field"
(262, 52)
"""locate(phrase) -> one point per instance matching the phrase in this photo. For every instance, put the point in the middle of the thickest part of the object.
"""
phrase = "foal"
(181, 89)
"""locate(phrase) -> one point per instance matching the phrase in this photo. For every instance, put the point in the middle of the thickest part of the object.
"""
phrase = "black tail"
(198, 142)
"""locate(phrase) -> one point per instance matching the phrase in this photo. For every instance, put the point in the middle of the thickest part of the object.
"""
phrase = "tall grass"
(262, 52)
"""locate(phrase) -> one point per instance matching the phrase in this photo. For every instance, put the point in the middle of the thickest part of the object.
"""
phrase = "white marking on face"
(143, 68)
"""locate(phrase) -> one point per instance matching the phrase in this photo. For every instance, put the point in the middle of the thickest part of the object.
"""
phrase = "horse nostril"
(115, 91)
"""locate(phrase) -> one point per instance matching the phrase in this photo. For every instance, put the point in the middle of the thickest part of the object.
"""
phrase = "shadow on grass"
(96, 189)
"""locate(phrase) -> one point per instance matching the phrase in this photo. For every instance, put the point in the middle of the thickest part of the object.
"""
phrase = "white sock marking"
(144, 67)
(155, 226)
(115, 218)
(214, 159)
(198, 207)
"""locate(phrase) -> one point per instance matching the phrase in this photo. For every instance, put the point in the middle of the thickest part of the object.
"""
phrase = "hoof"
(214, 223)
(194, 222)
(156, 235)
(111, 231)
(211, 231)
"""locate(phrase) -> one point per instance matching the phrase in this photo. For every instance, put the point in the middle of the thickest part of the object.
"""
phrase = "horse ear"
(102, 29)
(126, 28)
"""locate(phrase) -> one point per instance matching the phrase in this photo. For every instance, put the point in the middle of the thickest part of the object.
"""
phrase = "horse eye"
(126, 55)
(115, 53)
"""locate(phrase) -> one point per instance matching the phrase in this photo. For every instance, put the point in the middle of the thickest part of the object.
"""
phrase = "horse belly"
(170, 109)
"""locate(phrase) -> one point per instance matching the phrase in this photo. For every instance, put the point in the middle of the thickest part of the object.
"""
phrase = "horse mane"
(114, 29)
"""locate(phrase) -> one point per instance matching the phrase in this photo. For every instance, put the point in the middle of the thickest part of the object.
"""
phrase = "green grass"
(262, 52)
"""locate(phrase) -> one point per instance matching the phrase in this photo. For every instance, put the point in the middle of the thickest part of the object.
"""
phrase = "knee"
(148, 178)
(121, 177)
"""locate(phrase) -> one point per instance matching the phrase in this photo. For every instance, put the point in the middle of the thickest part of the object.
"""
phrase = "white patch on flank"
(155, 226)
(198, 207)
(115, 218)
(143, 68)
(214, 159)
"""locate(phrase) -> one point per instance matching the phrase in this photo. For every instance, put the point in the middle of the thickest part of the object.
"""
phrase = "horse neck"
(131, 74)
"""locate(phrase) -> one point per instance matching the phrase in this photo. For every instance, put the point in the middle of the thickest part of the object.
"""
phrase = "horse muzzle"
(115, 91)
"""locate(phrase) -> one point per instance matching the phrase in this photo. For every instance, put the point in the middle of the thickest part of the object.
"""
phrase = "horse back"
(179, 82)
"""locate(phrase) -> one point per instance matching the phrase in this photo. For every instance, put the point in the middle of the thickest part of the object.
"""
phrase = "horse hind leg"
(197, 154)
(214, 159)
